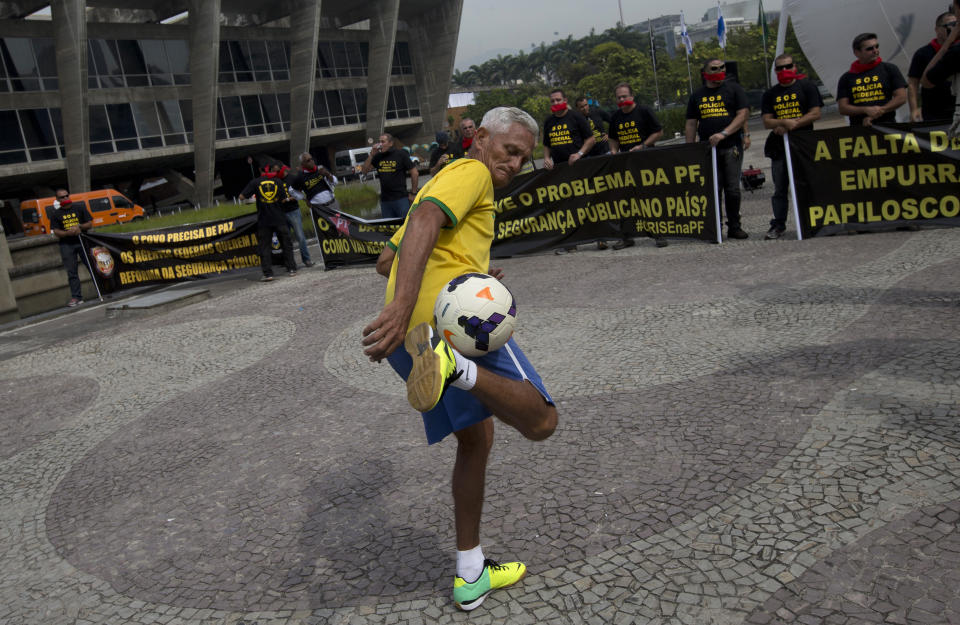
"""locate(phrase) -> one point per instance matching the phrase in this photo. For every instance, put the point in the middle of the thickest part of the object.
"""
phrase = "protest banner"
(123, 261)
(662, 191)
(346, 240)
(875, 178)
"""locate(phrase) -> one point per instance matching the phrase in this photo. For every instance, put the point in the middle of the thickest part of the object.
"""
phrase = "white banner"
(826, 28)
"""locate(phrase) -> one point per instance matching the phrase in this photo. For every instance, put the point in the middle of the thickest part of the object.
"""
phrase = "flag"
(721, 28)
(653, 47)
(685, 36)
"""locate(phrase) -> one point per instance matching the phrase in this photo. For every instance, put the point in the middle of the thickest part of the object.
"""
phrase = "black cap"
(442, 138)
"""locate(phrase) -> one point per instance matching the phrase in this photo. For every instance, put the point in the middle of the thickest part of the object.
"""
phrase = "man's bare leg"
(469, 476)
(517, 403)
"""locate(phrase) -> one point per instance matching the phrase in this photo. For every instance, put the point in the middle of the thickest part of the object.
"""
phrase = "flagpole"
(763, 32)
(653, 57)
(781, 34)
(687, 48)
(721, 32)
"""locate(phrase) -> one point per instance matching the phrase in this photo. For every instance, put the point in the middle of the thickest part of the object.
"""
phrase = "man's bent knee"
(545, 427)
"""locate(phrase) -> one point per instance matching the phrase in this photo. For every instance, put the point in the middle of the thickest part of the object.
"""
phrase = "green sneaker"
(468, 596)
(434, 367)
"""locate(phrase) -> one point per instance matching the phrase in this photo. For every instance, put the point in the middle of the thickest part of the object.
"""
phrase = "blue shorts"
(459, 409)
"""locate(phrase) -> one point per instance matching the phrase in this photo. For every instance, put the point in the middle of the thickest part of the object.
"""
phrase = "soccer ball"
(475, 314)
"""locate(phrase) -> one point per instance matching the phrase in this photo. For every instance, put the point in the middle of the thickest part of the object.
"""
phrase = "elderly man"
(392, 165)
(448, 233)
(872, 91)
(468, 130)
(936, 102)
(717, 112)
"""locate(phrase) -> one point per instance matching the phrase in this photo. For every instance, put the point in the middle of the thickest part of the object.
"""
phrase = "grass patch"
(360, 200)
(189, 216)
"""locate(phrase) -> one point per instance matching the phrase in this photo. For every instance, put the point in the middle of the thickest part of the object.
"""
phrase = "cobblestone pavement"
(756, 432)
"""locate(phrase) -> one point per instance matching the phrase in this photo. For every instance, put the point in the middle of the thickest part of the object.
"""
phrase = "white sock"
(466, 381)
(470, 564)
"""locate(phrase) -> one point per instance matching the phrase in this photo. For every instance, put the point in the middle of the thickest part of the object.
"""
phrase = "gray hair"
(500, 119)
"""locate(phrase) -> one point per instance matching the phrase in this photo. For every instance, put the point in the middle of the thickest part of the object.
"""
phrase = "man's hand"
(873, 112)
(386, 333)
(916, 116)
(496, 272)
(574, 158)
(716, 138)
(638, 147)
(547, 162)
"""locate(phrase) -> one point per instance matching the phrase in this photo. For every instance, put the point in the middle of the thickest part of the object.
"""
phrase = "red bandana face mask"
(466, 143)
(559, 107)
(858, 68)
(624, 104)
(718, 77)
(786, 76)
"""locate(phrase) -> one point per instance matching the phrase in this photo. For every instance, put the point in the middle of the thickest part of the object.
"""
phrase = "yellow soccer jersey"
(464, 190)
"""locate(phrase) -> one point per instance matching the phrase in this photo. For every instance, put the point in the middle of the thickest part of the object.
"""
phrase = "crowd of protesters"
(869, 93)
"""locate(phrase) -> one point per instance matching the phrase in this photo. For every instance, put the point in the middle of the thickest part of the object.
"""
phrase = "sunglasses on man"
(783, 67)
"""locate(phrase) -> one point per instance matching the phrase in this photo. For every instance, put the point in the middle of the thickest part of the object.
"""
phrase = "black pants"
(728, 180)
(71, 253)
(264, 236)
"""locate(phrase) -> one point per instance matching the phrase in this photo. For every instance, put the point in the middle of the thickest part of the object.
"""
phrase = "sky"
(491, 27)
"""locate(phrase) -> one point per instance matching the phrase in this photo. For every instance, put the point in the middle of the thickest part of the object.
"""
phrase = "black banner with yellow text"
(664, 192)
(122, 261)
(347, 240)
(861, 178)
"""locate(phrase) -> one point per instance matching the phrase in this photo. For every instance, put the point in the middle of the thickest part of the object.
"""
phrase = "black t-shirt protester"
(438, 152)
(936, 103)
(392, 168)
(945, 70)
(715, 108)
(310, 183)
(790, 102)
(600, 147)
(272, 196)
(69, 215)
(565, 135)
(633, 128)
(873, 87)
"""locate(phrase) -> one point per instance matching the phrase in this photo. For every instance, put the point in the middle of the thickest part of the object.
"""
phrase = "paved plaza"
(754, 432)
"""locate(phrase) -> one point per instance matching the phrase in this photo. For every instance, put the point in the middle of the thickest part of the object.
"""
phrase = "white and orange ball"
(475, 314)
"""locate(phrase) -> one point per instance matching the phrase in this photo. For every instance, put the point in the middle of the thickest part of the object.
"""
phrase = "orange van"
(106, 206)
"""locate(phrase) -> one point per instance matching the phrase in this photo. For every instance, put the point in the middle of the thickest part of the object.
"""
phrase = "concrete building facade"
(97, 90)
